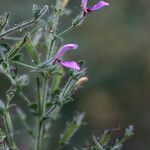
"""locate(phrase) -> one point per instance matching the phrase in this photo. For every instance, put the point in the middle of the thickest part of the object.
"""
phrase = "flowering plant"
(48, 71)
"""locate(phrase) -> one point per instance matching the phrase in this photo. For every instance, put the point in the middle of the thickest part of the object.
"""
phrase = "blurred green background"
(115, 44)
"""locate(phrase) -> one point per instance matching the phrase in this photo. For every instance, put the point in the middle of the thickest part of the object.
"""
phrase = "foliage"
(49, 70)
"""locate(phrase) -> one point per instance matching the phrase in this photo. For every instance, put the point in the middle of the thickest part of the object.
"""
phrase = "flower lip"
(61, 52)
(97, 6)
(84, 4)
(64, 49)
(70, 64)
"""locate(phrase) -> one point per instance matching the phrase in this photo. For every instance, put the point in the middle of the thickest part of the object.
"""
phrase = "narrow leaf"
(32, 51)
(16, 50)
(3, 21)
(71, 129)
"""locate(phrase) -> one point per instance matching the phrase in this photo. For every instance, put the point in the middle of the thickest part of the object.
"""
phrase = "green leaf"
(3, 21)
(32, 51)
(71, 129)
(16, 50)
(55, 88)
(105, 138)
(37, 11)
(128, 134)
(97, 146)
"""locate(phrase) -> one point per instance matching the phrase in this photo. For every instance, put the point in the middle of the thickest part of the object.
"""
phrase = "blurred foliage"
(115, 44)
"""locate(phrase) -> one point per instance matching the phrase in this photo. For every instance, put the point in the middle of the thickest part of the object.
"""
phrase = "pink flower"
(97, 6)
(61, 52)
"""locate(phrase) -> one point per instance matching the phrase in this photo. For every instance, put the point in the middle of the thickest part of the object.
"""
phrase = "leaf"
(97, 146)
(128, 134)
(16, 50)
(55, 88)
(32, 51)
(71, 129)
(105, 138)
(37, 11)
(3, 21)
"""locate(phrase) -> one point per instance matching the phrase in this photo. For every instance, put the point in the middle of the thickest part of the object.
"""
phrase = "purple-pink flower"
(97, 6)
(61, 52)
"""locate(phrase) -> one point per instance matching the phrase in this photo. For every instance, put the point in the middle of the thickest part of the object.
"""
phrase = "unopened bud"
(64, 3)
(81, 81)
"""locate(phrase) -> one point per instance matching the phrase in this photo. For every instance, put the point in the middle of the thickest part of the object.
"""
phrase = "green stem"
(24, 65)
(9, 129)
(71, 27)
(41, 126)
(25, 97)
(25, 24)
(66, 30)
(64, 92)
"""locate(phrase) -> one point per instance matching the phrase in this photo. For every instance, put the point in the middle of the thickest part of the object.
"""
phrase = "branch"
(25, 24)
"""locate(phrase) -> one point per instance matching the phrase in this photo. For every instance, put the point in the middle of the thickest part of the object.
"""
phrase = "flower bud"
(81, 81)
(64, 3)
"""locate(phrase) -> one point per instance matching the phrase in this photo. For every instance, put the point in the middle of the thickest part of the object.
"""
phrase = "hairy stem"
(25, 24)
(76, 23)
(41, 125)
(9, 129)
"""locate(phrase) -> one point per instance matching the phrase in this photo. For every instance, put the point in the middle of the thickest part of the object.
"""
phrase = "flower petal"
(99, 5)
(84, 3)
(64, 49)
(70, 64)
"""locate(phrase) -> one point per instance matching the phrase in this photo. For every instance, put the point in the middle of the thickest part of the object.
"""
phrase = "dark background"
(115, 43)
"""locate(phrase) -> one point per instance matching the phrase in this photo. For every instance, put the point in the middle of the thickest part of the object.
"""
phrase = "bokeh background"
(115, 42)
